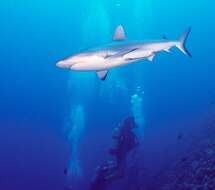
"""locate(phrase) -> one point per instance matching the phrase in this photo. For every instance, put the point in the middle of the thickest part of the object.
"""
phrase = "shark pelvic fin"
(102, 74)
(119, 34)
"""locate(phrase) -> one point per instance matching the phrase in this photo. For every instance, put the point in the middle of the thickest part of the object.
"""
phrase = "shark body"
(120, 52)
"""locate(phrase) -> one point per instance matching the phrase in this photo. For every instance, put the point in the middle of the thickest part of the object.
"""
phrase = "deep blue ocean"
(50, 116)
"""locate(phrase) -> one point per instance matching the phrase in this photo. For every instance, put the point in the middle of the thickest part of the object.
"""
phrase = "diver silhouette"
(125, 140)
(103, 176)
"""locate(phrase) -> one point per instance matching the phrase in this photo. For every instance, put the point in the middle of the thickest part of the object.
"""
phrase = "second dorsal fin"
(119, 34)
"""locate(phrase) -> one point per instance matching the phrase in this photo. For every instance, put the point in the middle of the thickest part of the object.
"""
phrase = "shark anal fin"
(102, 74)
(150, 58)
(119, 34)
(167, 50)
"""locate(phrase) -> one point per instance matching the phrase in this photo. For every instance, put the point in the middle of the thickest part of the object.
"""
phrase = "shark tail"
(181, 43)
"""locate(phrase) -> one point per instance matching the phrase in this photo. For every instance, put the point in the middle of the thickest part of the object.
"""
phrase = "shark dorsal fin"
(119, 34)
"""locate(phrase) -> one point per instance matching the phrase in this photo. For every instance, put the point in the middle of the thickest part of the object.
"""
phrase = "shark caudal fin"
(181, 43)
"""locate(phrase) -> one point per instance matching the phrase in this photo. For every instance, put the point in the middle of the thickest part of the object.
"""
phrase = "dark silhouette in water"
(126, 140)
(180, 136)
(65, 171)
(104, 175)
(184, 159)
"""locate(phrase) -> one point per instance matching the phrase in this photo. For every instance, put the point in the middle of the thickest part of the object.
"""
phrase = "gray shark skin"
(121, 52)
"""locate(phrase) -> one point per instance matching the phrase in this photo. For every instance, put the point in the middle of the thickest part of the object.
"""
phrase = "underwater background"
(51, 118)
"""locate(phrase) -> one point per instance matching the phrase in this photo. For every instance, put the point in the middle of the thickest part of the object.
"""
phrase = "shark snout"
(64, 64)
(76, 59)
(60, 64)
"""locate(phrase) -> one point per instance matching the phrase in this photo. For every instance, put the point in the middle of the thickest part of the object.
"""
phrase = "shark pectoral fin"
(150, 58)
(119, 34)
(102, 74)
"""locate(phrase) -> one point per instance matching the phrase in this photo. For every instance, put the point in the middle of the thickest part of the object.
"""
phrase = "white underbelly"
(112, 62)
(88, 67)
(129, 58)
(119, 62)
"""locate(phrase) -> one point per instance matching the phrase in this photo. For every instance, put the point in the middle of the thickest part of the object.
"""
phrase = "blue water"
(37, 98)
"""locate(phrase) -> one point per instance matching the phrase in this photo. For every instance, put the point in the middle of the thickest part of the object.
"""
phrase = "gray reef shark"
(121, 52)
